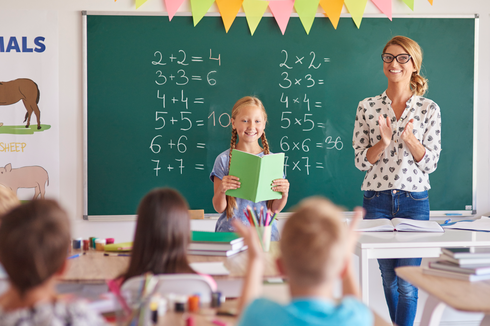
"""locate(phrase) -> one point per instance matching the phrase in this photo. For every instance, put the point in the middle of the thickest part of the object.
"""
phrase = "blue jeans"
(400, 295)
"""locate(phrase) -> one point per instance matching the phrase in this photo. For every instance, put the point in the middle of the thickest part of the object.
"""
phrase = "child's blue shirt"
(307, 311)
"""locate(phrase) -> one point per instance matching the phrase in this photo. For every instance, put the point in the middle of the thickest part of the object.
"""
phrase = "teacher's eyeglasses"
(401, 58)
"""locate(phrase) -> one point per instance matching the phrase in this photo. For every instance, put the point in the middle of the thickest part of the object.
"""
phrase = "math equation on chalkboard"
(180, 108)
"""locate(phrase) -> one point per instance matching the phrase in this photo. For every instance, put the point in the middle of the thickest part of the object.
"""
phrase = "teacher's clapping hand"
(385, 130)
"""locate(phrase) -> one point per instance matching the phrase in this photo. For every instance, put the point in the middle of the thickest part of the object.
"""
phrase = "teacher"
(397, 141)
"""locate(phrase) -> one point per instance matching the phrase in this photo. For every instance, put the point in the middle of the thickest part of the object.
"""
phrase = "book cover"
(452, 267)
(123, 246)
(459, 276)
(201, 240)
(256, 175)
(467, 252)
(466, 261)
(225, 253)
(398, 224)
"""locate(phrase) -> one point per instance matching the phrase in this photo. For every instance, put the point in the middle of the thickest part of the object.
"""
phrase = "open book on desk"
(398, 224)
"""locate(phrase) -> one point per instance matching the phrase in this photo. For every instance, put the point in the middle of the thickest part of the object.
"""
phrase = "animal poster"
(29, 93)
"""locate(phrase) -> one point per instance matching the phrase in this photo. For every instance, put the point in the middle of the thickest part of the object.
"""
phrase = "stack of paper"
(215, 243)
(471, 264)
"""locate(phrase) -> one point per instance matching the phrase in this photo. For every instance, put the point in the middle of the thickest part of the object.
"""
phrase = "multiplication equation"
(303, 114)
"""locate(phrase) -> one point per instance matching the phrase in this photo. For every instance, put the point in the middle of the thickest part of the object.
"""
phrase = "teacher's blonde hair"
(418, 84)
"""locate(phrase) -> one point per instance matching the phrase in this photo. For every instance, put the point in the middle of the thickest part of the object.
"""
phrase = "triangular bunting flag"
(199, 8)
(282, 11)
(139, 3)
(306, 10)
(431, 2)
(333, 9)
(384, 6)
(172, 7)
(356, 9)
(409, 3)
(254, 10)
(228, 10)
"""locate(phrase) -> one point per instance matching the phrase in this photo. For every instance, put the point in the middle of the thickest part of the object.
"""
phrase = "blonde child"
(8, 200)
(248, 119)
(316, 249)
(34, 241)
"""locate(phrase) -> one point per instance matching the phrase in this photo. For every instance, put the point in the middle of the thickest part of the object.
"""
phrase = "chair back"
(180, 284)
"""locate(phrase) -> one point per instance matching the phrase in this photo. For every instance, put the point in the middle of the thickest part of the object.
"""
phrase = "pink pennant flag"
(282, 11)
(172, 7)
(384, 6)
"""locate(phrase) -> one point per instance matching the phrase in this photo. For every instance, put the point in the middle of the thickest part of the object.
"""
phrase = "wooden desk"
(460, 295)
(373, 245)
(95, 268)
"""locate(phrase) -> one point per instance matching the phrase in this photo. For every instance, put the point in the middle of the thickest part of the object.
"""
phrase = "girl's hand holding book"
(281, 185)
(229, 182)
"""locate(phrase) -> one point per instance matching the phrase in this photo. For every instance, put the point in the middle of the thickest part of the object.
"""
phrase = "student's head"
(313, 243)
(248, 118)
(8, 200)
(34, 240)
(162, 235)
(418, 84)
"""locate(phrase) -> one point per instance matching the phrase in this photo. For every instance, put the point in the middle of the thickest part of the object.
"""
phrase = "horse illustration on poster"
(23, 89)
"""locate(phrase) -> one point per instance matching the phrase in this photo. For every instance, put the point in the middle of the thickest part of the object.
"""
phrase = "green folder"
(256, 175)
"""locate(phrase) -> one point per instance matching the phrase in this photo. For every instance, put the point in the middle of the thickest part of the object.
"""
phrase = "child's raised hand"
(352, 234)
(250, 238)
(281, 185)
(229, 182)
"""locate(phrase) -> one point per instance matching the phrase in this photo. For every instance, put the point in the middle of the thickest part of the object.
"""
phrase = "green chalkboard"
(159, 95)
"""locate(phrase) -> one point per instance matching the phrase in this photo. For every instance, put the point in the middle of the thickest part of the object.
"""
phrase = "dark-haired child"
(34, 241)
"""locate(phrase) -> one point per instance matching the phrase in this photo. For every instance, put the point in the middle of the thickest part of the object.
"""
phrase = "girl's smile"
(249, 124)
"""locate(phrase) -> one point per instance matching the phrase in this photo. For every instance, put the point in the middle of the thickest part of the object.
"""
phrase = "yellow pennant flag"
(306, 10)
(254, 10)
(356, 9)
(430, 1)
(409, 3)
(199, 8)
(139, 3)
(333, 9)
(228, 10)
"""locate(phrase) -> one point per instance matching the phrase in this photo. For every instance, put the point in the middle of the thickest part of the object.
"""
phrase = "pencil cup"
(265, 237)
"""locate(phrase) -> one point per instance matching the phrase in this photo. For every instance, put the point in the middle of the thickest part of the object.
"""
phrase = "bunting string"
(281, 10)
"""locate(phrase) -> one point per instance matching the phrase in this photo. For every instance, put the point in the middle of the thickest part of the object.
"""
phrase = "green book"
(221, 237)
(256, 175)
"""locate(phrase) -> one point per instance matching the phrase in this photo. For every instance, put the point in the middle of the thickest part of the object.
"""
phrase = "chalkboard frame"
(131, 217)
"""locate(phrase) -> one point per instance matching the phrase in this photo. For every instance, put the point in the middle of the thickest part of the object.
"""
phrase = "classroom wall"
(70, 98)
(70, 95)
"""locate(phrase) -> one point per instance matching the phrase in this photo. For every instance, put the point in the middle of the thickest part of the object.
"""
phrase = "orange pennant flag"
(228, 10)
(430, 1)
(333, 9)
